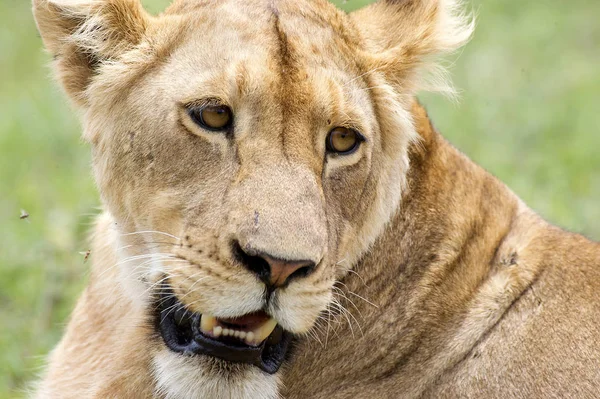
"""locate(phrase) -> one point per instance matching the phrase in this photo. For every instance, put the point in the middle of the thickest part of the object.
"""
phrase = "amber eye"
(212, 117)
(343, 140)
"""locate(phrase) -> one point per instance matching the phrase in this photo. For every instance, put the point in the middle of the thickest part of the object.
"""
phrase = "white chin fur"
(191, 377)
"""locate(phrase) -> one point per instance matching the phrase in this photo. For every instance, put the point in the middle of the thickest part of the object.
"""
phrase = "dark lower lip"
(180, 331)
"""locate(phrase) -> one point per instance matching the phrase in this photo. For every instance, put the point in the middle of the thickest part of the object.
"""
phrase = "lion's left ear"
(402, 36)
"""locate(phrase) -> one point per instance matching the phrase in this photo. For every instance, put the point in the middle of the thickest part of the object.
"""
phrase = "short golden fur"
(451, 286)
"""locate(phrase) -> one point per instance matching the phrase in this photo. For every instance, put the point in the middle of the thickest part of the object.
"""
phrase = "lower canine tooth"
(207, 323)
(261, 333)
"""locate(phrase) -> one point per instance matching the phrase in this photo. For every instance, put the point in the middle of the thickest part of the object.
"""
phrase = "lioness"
(282, 220)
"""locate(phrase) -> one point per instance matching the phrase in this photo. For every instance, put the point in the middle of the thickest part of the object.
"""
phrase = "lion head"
(249, 152)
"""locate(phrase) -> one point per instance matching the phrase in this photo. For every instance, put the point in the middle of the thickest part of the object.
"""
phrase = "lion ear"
(81, 34)
(403, 36)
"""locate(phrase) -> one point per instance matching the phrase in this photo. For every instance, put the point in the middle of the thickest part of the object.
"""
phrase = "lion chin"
(281, 219)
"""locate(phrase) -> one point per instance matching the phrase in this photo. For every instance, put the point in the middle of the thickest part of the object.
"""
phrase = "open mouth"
(252, 338)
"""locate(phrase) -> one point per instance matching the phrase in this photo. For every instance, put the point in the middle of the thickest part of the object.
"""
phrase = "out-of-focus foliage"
(529, 113)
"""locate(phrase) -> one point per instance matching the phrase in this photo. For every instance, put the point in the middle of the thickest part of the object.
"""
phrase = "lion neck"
(440, 276)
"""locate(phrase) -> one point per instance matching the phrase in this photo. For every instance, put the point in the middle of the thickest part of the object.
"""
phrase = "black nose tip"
(274, 272)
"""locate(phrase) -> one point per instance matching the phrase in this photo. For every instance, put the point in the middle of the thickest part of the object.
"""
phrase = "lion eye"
(343, 140)
(212, 117)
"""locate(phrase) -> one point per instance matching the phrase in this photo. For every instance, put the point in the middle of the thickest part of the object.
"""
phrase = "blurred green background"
(529, 113)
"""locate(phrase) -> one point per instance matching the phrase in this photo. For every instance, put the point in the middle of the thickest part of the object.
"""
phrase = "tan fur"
(432, 280)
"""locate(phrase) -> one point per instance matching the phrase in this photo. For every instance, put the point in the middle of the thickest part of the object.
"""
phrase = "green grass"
(529, 113)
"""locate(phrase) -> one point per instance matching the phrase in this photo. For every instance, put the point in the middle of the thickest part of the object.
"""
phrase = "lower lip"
(268, 356)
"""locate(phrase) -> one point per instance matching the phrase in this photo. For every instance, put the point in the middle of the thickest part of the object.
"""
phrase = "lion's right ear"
(81, 34)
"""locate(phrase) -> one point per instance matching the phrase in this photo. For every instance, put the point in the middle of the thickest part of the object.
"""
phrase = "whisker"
(356, 295)
(144, 244)
(358, 275)
(347, 313)
(150, 232)
(366, 300)
(190, 291)
(343, 295)
(151, 287)
(343, 311)
(137, 257)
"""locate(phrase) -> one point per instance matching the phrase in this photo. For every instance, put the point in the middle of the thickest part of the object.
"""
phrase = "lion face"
(252, 143)
(249, 152)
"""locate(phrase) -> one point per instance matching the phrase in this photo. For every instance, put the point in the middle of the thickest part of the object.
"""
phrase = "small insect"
(24, 215)
(86, 255)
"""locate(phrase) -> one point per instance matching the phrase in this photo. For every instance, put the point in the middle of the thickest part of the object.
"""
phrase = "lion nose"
(274, 272)
(282, 271)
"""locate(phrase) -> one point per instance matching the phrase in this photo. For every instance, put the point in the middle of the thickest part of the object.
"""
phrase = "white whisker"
(151, 232)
